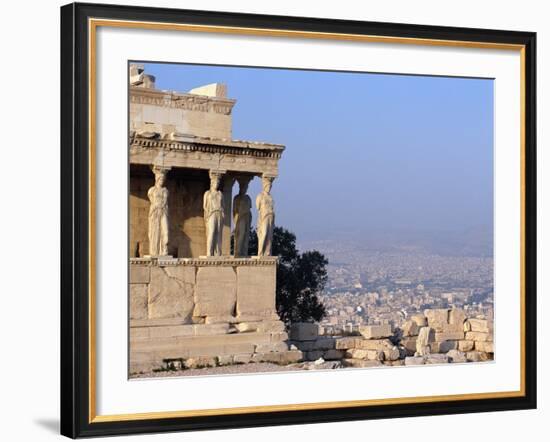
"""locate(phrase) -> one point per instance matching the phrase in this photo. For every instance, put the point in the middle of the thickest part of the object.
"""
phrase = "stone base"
(170, 344)
(190, 312)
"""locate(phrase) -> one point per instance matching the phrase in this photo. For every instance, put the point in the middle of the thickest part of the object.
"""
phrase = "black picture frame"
(76, 418)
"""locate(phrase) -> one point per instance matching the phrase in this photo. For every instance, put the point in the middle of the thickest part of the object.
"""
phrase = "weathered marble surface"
(266, 217)
(213, 216)
(426, 336)
(215, 292)
(256, 291)
(242, 218)
(171, 292)
(158, 215)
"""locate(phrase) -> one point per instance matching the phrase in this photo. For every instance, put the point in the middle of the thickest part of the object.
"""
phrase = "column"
(242, 217)
(266, 216)
(227, 190)
(158, 227)
(214, 214)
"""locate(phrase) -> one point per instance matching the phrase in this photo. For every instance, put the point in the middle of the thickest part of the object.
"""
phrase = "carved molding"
(222, 261)
(190, 102)
(208, 146)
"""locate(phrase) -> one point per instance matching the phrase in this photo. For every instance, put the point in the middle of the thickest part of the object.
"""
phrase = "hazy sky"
(363, 151)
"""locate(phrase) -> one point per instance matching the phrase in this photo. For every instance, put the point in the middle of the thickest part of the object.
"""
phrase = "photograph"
(274, 220)
(298, 219)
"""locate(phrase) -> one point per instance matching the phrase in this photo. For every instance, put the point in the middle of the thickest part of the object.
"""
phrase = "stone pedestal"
(204, 311)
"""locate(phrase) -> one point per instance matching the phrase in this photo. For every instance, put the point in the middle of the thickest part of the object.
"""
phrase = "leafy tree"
(300, 277)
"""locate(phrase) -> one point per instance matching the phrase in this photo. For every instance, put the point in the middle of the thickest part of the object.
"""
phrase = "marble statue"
(266, 218)
(158, 215)
(213, 216)
(242, 217)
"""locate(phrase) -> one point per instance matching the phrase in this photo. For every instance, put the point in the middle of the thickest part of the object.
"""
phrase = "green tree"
(300, 277)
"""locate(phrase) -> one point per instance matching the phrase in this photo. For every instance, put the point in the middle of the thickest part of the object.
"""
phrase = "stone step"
(175, 352)
(198, 342)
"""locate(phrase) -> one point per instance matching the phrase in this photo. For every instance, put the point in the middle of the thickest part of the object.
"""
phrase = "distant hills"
(475, 241)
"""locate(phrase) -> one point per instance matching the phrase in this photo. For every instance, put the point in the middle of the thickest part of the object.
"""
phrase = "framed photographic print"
(274, 220)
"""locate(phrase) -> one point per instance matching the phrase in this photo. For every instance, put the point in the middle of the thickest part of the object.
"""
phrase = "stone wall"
(153, 110)
(204, 312)
(436, 336)
(204, 290)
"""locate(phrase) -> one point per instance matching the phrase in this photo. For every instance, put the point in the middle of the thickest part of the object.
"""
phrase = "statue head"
(243, 185)
(267, 182)
(160, 176)
(214, 181)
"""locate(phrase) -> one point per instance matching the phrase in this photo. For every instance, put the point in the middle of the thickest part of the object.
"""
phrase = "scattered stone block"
(456, 356)
(479, 336)
(357, 353)
(415, 360)
(443, 347)
(465, 345)
(481, 325)
(304, 331)
(375, 355)
(457, 316)
(410, 328)
(420, 320)
(449, 336)
(477, 356)
(396, 363)
(426, 335)
(437, 358)
(409, 344)
(345, 343)
(437, 316)
(376, 331)
(373, 344)
(484, 346)
(391, 354)
(360, 363)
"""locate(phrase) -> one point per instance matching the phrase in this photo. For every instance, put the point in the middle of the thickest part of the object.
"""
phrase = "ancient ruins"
(194, 303)
(190, 298)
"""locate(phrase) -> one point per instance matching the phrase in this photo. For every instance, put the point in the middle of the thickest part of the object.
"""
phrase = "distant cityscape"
(370, 287)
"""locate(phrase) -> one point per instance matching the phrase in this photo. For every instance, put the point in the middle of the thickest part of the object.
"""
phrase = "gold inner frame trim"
(93, 24)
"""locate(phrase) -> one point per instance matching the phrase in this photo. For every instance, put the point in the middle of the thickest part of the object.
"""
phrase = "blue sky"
(365, 152)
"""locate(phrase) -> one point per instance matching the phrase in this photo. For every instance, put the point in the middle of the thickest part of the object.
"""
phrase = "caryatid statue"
(158, 214)
(242, 217)
(266, 217)
(213, 216)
